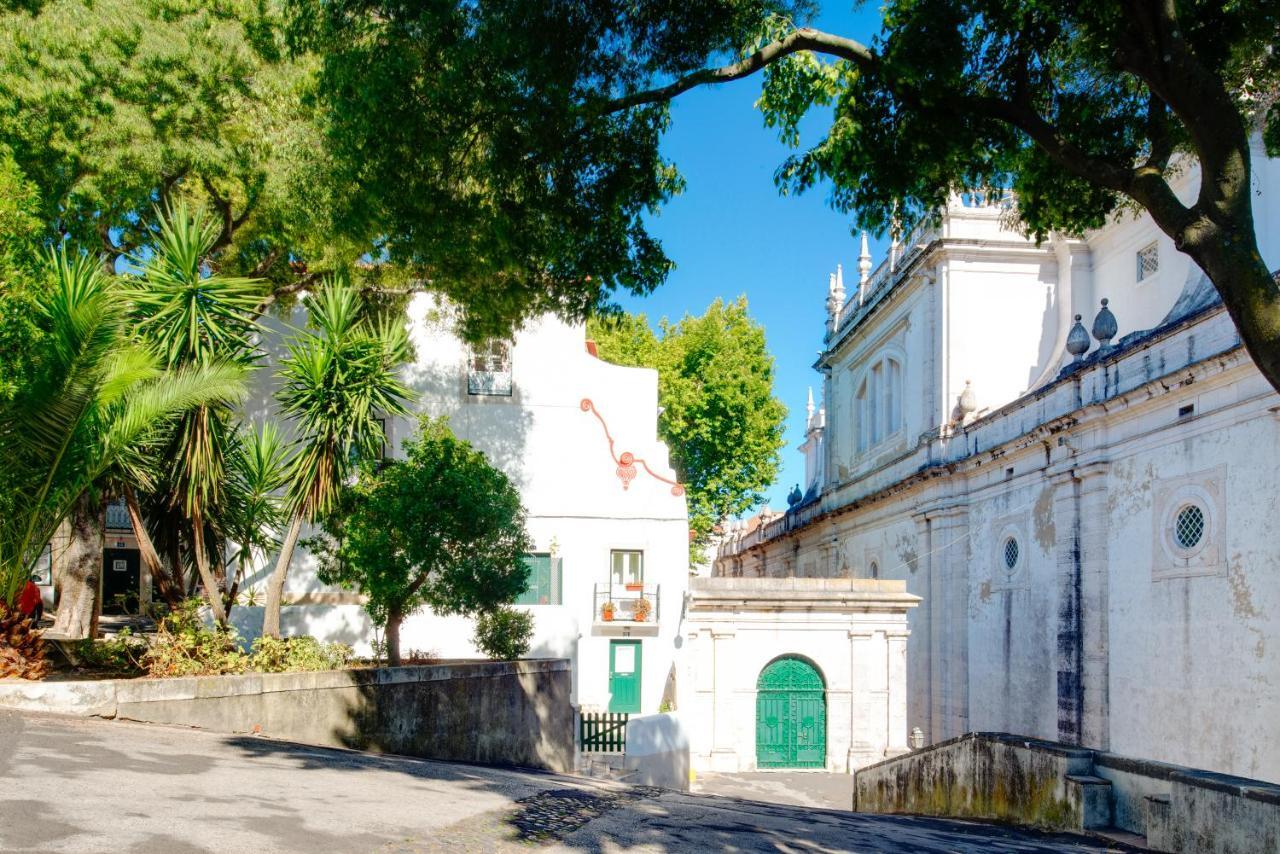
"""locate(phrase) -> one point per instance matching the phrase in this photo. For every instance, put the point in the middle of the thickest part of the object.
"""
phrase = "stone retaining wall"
(499, 713)
(1050, 785)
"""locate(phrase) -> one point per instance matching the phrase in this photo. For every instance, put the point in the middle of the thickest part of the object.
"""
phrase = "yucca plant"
(254, 509)
(189, 317)
(339, 378)
(97, 394)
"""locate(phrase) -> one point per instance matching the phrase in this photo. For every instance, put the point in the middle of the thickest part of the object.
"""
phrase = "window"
(1188, 526)
(489, 371)
(877, 404)
(875, 569)
(1148, 261)
(118, 516)
(1011, 552)
(626, 567)
(546, 581)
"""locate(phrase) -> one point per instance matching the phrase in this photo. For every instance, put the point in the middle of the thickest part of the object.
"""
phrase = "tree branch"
(803, 39)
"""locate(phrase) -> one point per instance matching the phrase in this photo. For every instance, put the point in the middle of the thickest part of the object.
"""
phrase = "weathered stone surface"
(500, 713)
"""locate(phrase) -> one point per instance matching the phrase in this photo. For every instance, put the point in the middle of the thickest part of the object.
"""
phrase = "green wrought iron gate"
(791, 716)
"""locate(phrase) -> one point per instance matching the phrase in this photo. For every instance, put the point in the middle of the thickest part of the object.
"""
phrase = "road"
(92, 785)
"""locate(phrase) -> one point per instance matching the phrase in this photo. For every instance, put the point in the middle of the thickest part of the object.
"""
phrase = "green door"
(791, 716)
(624, 676)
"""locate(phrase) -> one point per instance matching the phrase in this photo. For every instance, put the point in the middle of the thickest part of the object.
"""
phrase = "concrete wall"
(658, 751)
(499, 713)
(1054, 786)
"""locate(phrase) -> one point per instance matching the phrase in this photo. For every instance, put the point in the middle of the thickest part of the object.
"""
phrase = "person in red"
(29, 601)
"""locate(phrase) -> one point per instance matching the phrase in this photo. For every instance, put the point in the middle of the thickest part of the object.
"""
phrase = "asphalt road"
(89, 786)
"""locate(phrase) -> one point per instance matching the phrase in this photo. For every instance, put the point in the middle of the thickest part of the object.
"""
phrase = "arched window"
(877, 404)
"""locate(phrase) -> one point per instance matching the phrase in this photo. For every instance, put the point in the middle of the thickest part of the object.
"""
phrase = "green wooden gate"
(791, 716)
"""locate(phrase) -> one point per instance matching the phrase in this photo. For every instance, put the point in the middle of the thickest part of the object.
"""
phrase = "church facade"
(1065, 452)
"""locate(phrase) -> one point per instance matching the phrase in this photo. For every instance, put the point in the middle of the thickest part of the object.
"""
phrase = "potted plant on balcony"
(606, 612)
(641, 610)
(634, 586)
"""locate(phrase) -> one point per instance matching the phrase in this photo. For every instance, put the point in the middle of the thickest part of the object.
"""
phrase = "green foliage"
(304, 653)
(112, 105)
(504, 633)
(23, 278)
(720, 417)
(440, 529)
(96, 396)
(118, 656)
(462, 124)
(185, 646)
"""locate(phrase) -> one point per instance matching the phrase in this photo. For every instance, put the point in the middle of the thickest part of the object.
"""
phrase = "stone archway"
(791, 715)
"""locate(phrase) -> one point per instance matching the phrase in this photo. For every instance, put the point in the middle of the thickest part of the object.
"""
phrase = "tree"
(719, 415)
(95, 395)
(338, 380)
(23, 277)
(111, 106)
(190, 318)
(441, 529)
(1081, 108)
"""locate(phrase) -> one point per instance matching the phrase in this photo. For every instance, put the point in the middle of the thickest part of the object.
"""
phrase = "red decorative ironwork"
(627, 461)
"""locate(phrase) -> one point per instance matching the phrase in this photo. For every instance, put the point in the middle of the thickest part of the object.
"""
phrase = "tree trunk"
(212, 593)
(394, 619)
(80, 583)
(1249, 291)
(275, 587)
(147, 550)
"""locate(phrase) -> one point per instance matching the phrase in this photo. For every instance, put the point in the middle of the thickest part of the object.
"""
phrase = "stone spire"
(864, 269)
(835, 299)
(809, 407)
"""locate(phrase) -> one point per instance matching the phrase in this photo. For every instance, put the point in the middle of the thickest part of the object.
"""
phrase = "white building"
(577, 436)
(1093, 534)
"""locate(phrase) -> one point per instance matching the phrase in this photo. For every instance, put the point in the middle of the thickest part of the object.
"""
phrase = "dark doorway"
(120, 568)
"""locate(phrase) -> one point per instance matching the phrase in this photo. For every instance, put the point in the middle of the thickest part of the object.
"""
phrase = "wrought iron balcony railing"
(630, 603)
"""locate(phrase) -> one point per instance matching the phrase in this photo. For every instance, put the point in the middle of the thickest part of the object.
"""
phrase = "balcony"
(628, 618)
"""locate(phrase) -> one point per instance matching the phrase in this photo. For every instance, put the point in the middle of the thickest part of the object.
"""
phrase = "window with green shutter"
(545, 576)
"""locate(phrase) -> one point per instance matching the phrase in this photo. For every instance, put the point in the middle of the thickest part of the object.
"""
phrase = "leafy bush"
(504, 633)
(185, 646)
(120, 655)
(287, 655)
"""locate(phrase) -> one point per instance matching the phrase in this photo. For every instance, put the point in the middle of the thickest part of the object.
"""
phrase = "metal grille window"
(1148, 261)
(489, 371)
(1010, 553)
(118, 516)
(1188, 527)
(546, 581)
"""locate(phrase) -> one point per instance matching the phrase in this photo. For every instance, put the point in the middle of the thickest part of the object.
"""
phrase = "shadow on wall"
(347, 624)
(495, 713)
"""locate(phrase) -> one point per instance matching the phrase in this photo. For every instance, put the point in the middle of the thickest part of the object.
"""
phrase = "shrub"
(185, 646)
(504, 633)
(288, 655)
(121, 655)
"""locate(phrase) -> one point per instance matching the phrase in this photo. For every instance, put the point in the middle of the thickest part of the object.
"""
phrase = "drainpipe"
(1066, 274)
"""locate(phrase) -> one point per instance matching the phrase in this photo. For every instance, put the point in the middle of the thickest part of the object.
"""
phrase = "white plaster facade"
(1097, 625)
(549, 435)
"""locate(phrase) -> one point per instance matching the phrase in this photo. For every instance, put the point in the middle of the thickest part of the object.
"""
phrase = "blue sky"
(730, 232)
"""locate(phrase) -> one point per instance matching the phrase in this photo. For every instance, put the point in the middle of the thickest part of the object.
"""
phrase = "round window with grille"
(1188, 526)
(1010, 553)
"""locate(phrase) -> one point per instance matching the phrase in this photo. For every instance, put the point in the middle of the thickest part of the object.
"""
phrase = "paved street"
(89, 786)
(797, 788)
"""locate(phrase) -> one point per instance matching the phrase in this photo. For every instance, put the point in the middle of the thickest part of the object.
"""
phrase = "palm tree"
(339, 380)
(192, 317)
(97, 395)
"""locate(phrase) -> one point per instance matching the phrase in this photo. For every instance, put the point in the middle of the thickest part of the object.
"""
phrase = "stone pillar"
(949, 615)
(1069, 686)
(724, 722)
(1094, 607)
(896, 692)
(864, 739)
(922, 668)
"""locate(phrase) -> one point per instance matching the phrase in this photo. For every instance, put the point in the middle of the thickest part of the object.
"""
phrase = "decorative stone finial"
(968, 401)
(835, 299)
(1104, 325)
(808, 407)
(864, 261)
(1078, 340)
(795, 496)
